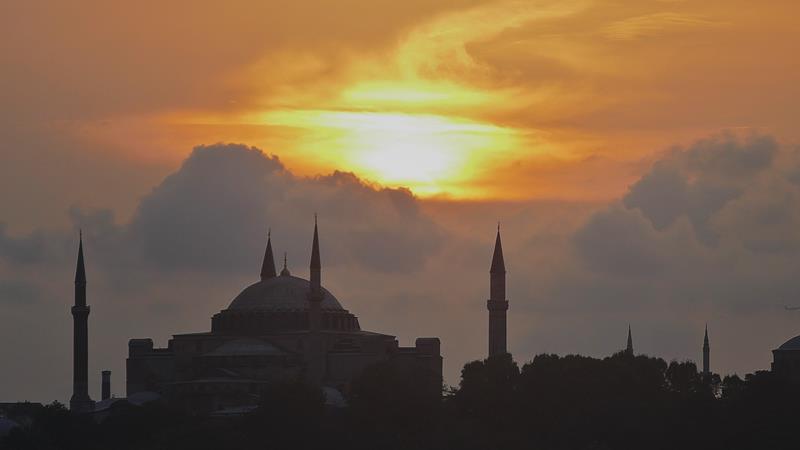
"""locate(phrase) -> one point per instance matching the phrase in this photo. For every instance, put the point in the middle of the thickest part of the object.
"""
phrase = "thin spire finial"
(315, 280)
(285, 271)
(498, 263)
(315, 259)
(80, 270)
(268, 265)
(629, 348)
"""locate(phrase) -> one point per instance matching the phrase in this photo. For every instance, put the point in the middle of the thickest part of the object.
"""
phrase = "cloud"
(718, 218)
(618, 241)
(699, 181)
(18, 292)
(25, 250)
(653, 24)
(215, 210)
(145, 58)
(212, 216)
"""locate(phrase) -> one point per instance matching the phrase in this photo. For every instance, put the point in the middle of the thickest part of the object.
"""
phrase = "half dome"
(791, 344)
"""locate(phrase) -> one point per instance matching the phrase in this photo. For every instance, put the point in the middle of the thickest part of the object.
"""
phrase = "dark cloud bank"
(209, 214)
(710, 233)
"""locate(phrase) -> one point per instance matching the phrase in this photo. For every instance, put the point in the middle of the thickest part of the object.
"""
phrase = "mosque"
(282, 327)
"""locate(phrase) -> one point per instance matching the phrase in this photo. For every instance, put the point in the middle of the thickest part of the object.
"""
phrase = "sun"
(429, 154)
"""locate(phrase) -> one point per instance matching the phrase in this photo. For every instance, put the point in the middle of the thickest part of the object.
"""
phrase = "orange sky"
(460, 99)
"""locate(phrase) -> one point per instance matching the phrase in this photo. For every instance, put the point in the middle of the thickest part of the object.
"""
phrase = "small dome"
(283, 293)
(791, 344)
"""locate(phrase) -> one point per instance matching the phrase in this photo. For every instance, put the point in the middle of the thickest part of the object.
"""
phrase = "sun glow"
(429, 154)
(412, 94)
(397, 120)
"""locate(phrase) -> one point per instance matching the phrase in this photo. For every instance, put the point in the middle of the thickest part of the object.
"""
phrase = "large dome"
(791, 344)
(281, 293)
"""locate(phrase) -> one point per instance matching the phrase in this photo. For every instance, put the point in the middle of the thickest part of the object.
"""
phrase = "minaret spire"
(268, 266)
(80, 401)
(498, 263)
(706, 355)
(315, 348)
(316, 265)
(497, 303)
(629, 348)
(315, 294)
(80, 270)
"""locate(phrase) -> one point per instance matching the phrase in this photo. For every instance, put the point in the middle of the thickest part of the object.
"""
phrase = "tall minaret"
(629, 348)
(316, 361)
(80, 401)
(706, 355)
(497, 303)
(268, 266)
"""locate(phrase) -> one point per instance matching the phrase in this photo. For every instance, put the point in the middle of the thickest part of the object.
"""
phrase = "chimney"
(106, 385)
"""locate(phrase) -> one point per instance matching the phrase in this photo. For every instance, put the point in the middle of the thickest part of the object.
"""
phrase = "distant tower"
(80, 401)
(629, 348)
(497, 303)
(706, 355)
(268, 266)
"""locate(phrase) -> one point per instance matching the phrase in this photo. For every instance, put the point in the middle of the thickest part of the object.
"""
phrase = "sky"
(641, 156)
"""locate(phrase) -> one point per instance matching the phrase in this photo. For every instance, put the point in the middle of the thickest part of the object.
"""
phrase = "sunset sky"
(642, 156)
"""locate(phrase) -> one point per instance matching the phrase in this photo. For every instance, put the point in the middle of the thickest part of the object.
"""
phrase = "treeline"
(552, 402)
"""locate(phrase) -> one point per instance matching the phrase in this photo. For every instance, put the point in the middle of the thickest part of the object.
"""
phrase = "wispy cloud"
(655, 24)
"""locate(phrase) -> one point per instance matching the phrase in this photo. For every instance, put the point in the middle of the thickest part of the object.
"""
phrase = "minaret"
(315, 294)
(268, 266)
(706, 355)
(497, 303)
(316, 361)
(80, 401)
(629, 348)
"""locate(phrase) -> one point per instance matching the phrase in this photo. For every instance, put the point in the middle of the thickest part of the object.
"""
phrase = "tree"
(395, 403)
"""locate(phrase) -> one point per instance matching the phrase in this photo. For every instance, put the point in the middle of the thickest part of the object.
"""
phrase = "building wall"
(185, 372)
(148, 368)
